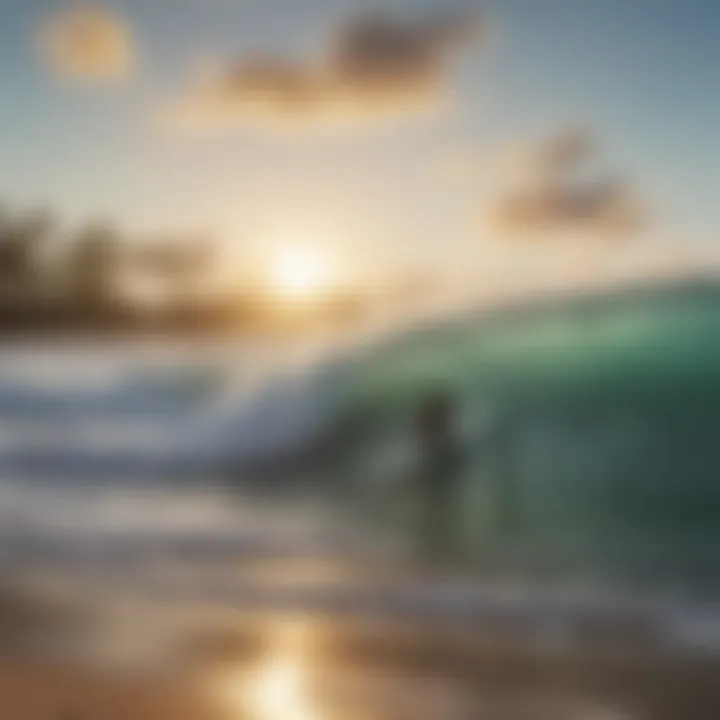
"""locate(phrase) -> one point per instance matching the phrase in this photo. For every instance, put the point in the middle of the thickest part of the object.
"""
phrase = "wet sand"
(417, 673)
(37, 692)
(55, 665)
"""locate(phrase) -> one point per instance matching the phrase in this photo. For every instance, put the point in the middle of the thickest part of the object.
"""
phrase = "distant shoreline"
(212, 329)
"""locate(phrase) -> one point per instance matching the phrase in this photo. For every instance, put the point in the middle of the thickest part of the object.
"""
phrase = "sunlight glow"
(298, 271)
(277, 689)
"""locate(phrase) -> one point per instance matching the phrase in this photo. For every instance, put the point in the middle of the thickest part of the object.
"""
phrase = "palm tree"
(92, 271)
(22, 273)
(181, 269)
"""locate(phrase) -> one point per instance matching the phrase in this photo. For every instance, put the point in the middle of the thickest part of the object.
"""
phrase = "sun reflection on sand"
(279, 691)
(277, 688)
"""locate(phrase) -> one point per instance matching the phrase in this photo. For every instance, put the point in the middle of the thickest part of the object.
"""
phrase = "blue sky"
(643, 74)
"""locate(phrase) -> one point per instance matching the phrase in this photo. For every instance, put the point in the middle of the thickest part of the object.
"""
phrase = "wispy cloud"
(88, 42)
(375, 66)
(553, 186)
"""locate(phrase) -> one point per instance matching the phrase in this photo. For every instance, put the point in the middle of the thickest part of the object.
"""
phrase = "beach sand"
(31, 691)
(270, 667)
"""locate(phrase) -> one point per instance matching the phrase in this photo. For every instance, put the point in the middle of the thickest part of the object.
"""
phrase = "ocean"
(234, 476)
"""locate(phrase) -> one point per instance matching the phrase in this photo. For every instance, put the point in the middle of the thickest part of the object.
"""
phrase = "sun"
(300, 272)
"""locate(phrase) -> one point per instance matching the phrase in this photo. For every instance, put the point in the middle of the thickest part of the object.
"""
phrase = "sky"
(398, 134)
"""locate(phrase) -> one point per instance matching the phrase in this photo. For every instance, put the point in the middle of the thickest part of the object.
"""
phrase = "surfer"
(438, 476)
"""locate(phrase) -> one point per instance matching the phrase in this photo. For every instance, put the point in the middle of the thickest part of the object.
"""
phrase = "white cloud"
(375, 67)
(552, 187)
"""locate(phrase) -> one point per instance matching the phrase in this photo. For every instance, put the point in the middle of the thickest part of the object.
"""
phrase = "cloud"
(376, 57)
(552, 187)
(87, 42)
(375, 66)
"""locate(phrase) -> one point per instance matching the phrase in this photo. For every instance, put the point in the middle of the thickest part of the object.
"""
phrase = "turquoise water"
(590, 430)
(611, 443)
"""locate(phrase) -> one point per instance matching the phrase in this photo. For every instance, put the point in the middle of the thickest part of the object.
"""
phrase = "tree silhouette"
(97, 280)
(21, 242)
(182, 268)
(93, 271)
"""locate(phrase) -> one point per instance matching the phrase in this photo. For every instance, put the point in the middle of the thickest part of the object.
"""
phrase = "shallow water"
(121, 466)
(133, 542)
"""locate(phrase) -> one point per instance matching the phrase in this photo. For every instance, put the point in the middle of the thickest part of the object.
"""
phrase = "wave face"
(610, 409)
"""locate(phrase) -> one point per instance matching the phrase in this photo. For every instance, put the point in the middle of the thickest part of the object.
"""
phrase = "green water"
(612, 444)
